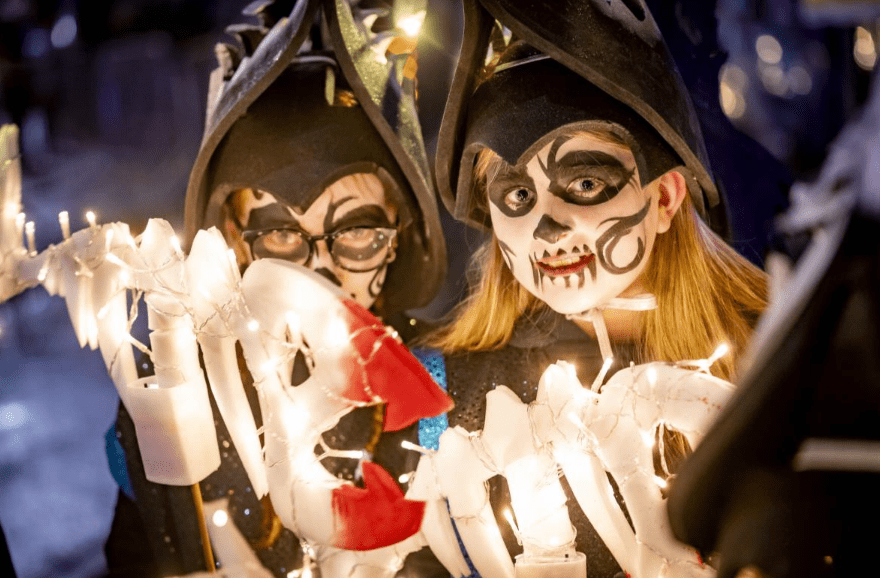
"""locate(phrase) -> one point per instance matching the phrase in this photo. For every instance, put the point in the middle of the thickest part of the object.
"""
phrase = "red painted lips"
(559, 266)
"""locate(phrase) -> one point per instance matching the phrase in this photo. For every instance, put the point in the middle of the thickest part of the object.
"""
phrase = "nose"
(321, 263)
(550, 230)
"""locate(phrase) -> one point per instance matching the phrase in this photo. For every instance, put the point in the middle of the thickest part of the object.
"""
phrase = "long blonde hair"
(707, 294)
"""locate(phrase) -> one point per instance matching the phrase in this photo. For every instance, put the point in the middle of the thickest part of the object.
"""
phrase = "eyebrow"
(366, 215)
(589, 158)
(510, 176)
(268, 216)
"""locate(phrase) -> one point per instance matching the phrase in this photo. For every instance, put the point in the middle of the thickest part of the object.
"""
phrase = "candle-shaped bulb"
(31, 242)
(91, 219)
(64, 222)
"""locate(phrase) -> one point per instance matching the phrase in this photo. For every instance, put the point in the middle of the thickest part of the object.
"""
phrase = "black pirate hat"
(273, 124)
(600, 61)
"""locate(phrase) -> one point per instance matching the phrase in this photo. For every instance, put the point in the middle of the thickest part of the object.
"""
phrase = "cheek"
(516, 233)
(365, 287)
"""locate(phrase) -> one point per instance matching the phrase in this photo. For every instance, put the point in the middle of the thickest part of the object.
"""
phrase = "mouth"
(566, 264)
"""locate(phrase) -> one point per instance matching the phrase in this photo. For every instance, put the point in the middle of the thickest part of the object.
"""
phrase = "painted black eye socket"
(519, 198)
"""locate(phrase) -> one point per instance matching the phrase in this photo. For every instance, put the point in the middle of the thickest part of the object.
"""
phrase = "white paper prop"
(585, 434)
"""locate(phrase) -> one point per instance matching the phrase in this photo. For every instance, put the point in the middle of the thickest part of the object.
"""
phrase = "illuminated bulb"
(253, 325)
(29, 232)
(509, 517)
(661, 483)
(111, 258)
(408, 445)
(648, 439)
(41, 276)
(337, 332)
(720, 352)
(64, 222)
(573, 418)
(220, 518)
(651, 374)
(270, 365)
(293, 322)
(404, 478)
(91, 219)
(412, 24)
(175, 244)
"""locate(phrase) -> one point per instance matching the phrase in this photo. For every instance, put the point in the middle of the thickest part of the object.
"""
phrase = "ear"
(671, 188)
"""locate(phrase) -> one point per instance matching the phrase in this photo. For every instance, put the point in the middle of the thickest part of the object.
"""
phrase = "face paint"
(574, 225)
(353, 201)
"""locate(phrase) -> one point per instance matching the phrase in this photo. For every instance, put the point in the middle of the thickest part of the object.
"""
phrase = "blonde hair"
(707, 294)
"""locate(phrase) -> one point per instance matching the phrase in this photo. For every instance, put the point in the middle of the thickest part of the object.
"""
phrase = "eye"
(586, 187)
(281, 244)
(519, 198)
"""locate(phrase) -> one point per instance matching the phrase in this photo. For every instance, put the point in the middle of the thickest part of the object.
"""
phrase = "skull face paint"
(573, 222)
(354, 201)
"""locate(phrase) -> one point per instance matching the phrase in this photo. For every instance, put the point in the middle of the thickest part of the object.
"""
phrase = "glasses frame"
(251, 235)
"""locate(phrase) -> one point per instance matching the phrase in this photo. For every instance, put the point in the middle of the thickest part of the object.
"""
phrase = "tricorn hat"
(600, 60)
(272, 124)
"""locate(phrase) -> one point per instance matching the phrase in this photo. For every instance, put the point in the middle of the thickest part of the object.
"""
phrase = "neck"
(622, 325)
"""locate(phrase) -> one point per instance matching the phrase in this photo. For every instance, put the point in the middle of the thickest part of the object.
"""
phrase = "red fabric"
(377, 515)
(387, 370)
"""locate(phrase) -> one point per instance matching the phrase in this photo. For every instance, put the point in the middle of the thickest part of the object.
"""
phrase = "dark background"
(109, 95)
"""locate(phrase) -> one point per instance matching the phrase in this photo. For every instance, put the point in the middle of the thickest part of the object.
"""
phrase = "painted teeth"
(565, 262)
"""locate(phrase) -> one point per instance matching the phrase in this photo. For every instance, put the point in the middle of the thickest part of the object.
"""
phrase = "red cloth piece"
(386, 369)
(377, 515)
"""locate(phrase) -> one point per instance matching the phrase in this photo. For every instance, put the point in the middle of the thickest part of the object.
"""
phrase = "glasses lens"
(281, 244)
(362, 248)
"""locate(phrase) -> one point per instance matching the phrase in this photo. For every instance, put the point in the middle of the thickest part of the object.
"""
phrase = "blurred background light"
(864, 50)
(13, 415)
(768, 48)
(64, 31)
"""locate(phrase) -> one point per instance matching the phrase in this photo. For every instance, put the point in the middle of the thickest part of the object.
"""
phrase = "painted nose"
(322, 263)
(550, 230)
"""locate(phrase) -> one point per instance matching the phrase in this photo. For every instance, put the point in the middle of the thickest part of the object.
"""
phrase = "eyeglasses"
(357, 249)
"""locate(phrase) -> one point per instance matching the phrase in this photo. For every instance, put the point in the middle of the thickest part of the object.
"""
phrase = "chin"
(569, 301)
